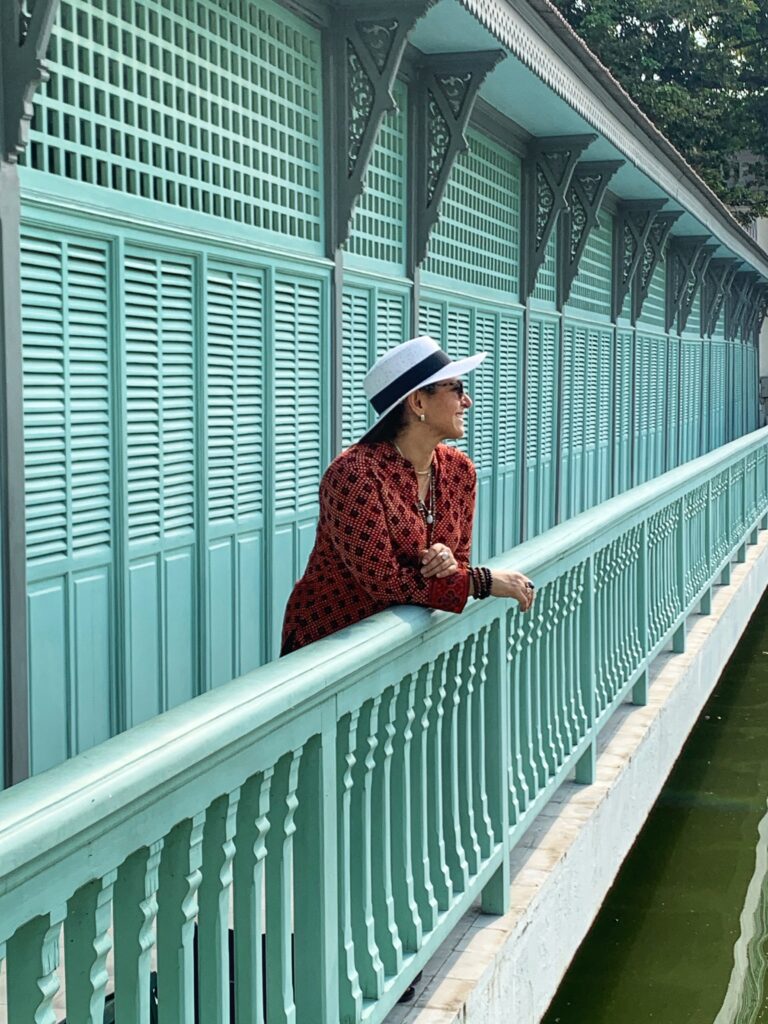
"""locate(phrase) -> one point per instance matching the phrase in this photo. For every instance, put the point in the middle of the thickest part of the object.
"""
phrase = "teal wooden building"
(215, 213)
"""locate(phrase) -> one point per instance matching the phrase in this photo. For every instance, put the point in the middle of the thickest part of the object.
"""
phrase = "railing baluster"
(640, 689)
(455, 855)
(512, 670)
(213, 919)
(598, 603)
(384, 812)
(32, 964)
(678, 640)
(495, 896)
(424, 816)
(315, 894)
(249, 878)
(536, 687)
(481, 746)
(134, 917)
(370, 969)
(585, 768)
(405, 809)
(469, 755)
(281, 1007)
(350, 993)
(574, 653)
(563, 667)
(556, 679)
(179, 881)
(441, 878)
(87, 943)
(524, 655)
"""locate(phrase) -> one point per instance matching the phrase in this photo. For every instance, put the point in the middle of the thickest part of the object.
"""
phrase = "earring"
(422, 417)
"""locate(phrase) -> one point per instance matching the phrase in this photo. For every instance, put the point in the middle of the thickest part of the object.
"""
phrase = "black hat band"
(409, 381)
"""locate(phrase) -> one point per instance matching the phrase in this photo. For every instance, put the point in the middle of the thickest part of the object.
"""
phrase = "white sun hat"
(408, 367)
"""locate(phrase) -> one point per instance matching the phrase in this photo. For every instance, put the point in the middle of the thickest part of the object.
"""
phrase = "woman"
(396, 509)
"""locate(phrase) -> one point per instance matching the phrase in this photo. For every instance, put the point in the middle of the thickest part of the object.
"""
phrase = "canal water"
(682, 937)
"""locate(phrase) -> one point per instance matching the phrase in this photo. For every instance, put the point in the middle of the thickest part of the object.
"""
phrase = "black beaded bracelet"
(482, 581)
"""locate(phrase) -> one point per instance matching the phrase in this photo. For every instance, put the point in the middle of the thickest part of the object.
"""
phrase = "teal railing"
(315, 829)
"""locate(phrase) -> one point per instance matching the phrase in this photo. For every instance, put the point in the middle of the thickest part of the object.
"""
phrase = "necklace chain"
(418, 472)
(428, 510)
(425, 509)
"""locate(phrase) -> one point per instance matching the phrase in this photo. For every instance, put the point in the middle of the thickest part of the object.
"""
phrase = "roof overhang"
(552, 84)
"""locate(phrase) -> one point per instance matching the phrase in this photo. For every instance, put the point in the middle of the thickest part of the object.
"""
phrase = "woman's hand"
(507, 583)
(438, 561)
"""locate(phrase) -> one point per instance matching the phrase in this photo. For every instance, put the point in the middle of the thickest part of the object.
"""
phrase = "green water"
(683, 935)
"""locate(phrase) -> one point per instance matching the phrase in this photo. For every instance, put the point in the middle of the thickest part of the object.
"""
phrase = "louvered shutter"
(159, 397)
(431, 321)
(671, 404)
(566, 420)
(390, 321)
(67, 442)
(297, 374)
(234, 452)
(604, 416)
(541, 368)
(482, 385)
(356, 345)
(45, 399)
(509, 453)
(625, 413)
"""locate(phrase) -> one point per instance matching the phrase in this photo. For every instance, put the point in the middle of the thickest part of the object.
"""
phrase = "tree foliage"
(699, 70)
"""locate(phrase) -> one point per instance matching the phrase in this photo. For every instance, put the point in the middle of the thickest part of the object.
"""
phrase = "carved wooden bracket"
(584, 198)
(717, 282)
(653, 252)
(548, 171)
(447, 85)
(25, 28)
(682, 282)
(632, 228)
(695, 283)
(737, 303)
(368, 43)
(759, 312)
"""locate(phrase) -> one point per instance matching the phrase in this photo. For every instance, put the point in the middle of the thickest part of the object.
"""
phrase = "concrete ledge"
(508, 968)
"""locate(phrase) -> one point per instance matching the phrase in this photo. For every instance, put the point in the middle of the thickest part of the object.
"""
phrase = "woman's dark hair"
(388, 428)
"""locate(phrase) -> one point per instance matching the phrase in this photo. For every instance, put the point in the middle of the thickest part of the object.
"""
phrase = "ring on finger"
(444, 554)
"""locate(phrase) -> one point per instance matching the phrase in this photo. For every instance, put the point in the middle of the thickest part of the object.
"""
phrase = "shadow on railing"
(351, 801)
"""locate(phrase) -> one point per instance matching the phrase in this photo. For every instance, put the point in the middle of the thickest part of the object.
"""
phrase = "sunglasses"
(456, 386)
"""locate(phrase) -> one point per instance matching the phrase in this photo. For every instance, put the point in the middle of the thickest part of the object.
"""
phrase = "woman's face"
(446, 408)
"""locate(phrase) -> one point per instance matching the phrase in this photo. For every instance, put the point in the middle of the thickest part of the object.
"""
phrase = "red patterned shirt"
(369, 535)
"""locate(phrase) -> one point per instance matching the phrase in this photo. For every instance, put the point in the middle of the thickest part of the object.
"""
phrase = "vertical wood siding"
(178, 357)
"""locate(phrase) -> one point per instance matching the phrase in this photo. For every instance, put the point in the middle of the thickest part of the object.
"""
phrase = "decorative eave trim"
(682, 264)
(368, 43)
(23, 45)
(761, 312)
(587, 87)
(695, 283)
(717, 281)
(631, 228)
(737, 303)
(445, 91)
(584, 200)
(756, 312)
(547, 173)
(653, 253)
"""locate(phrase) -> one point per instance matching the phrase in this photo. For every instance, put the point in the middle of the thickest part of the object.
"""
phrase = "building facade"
(219, 215)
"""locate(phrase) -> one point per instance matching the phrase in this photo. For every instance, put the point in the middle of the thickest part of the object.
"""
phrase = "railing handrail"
(72, 802)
